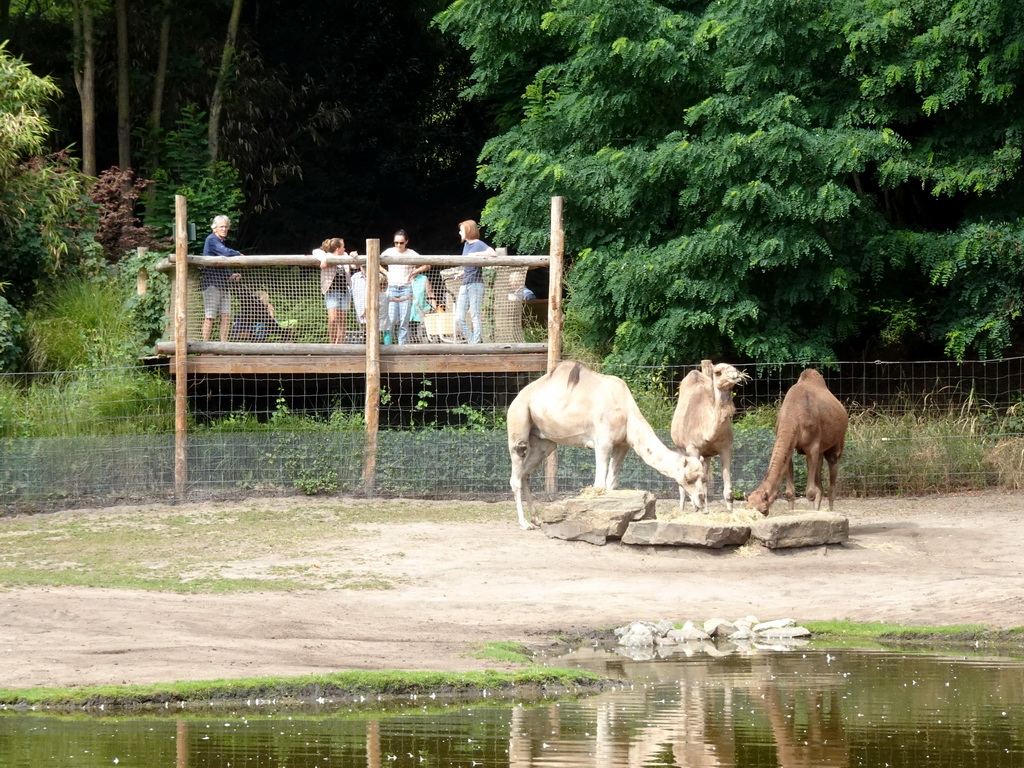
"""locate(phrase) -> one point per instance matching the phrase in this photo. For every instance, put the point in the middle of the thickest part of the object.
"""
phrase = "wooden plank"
(270, 349)
(307, 260)
(280, 365)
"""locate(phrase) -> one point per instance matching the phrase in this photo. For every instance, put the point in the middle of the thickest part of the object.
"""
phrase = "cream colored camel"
(813, 422)
(702, 422)
(573, 405)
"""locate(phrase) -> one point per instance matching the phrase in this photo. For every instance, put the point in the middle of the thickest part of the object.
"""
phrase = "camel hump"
(692, 379)
(811, 376)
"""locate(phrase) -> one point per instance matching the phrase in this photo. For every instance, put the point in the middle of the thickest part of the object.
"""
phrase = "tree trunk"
(124, 116)
(85, 79)
(156, 112)
(226, 61)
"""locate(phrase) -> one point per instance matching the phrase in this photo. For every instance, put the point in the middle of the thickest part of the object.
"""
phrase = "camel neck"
(643, 440)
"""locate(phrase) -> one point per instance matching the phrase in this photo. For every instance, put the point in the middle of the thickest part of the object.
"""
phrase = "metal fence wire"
(107, 436)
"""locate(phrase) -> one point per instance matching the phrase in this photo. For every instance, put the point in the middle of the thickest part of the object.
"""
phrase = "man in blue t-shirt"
(213, 281)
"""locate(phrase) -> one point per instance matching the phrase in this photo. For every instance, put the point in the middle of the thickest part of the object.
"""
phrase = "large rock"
(595, 519)
(694, 534)
(805, 530)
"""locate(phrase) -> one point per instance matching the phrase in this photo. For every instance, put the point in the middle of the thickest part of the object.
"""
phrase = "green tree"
(210, 188)
(773, 180)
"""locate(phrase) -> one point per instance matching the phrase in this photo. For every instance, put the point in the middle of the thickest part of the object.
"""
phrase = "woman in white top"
(400, 285)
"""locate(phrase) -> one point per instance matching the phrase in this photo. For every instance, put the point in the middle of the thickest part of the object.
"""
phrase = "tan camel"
(573, 405)
(702, 422)
(813, 422)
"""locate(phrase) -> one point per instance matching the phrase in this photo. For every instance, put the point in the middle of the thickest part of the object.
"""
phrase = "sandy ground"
(935, 560)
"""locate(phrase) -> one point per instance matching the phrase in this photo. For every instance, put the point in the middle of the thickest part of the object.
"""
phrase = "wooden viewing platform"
(297, 352)
(504, 348)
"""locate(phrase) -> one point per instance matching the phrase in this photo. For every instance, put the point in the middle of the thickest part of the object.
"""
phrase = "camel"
(573, 405)
(702, 422)
(813, 422)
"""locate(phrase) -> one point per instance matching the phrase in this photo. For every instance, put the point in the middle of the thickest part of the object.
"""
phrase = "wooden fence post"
(372, 406)
(554, 319)
(180, 348)
(142, 278)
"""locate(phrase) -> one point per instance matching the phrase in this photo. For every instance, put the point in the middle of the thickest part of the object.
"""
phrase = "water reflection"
(797, 709)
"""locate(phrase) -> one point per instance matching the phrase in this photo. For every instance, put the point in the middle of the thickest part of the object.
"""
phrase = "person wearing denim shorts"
(334, 285)
(471, 292)
(213, 282)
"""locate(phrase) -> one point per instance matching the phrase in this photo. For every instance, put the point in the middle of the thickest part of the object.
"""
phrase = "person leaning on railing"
(471, 292)
(335, 285)
(213, 281)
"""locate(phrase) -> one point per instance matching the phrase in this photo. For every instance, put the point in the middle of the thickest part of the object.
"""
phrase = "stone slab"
(690, 534)
(804, 530)
(596, 518)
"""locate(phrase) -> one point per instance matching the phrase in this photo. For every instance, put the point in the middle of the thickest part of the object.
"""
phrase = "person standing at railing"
(471, 292)
(335, 285)
(400, 278)
(213, 281)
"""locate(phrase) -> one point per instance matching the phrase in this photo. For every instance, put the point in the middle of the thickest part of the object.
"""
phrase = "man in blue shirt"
(213, 281)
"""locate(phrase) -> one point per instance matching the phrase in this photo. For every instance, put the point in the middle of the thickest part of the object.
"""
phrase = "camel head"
(728, 376)
(761, 500)
(691, 474)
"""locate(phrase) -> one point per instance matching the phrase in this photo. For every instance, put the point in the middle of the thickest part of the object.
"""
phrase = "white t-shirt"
(398, 274)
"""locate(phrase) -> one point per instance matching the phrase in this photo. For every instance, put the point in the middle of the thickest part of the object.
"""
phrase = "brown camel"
(813, 422)
(702, 422)
(573, 405)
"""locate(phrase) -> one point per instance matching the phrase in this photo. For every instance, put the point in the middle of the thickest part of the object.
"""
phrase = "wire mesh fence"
(105, 436)
(294, 304)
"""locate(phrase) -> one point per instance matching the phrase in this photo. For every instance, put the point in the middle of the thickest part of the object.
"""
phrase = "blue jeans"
(398, 311)
(471, 295)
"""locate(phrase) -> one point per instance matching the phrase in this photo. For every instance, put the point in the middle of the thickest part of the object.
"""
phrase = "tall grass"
(81, 323)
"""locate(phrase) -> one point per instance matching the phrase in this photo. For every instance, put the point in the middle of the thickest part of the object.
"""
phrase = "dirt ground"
(935, 561)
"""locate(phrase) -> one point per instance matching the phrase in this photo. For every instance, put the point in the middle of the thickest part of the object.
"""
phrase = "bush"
(11, 328)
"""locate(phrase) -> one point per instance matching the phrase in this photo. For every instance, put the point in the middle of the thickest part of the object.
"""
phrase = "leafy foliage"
(751, 179)
(209, 188)
(46, 220)
(116, 192)
(11, 327)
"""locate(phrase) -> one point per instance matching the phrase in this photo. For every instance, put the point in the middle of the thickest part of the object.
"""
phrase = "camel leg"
(604, 456)
(814, 492)
(618, 456)
(522, 468)
(790, 485)
(709, 477)
(832, 456)
(725, 457)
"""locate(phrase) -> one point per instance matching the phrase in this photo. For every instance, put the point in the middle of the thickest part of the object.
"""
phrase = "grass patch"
(306, 688)
(212, 549)
(516, 653)
(852, 634)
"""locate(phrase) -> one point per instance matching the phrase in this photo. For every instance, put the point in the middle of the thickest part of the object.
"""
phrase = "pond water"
(798, 708)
